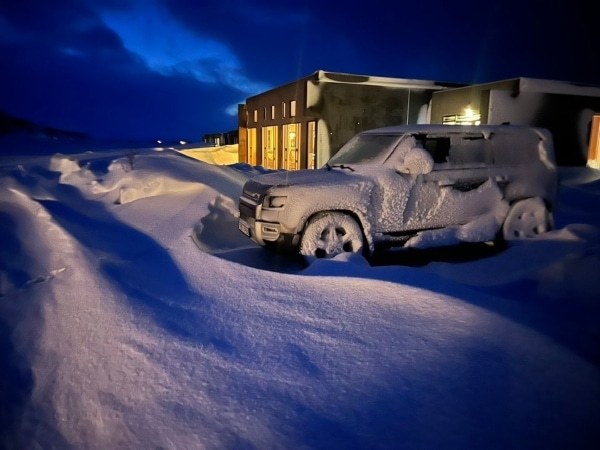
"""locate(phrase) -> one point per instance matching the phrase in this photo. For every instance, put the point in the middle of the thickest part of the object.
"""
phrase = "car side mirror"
(417, 162)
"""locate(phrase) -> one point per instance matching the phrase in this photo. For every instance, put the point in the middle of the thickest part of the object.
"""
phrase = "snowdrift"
(134, 314)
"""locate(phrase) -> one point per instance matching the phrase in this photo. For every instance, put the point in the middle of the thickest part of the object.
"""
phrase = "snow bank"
(153, 322)
(223, 154)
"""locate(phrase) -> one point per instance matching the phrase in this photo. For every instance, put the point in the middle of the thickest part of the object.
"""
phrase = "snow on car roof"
(439, 128)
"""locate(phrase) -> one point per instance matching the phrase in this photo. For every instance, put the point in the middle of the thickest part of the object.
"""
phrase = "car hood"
(308, 177)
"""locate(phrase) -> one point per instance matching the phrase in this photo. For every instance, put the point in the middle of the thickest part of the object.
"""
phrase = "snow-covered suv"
(408, 186)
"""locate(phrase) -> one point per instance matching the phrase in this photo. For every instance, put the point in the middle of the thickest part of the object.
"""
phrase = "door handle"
(468, 184)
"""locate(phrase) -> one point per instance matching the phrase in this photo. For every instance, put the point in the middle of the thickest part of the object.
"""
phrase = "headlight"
(274, 201)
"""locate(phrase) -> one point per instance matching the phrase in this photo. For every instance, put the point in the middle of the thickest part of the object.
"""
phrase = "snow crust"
(134, 314)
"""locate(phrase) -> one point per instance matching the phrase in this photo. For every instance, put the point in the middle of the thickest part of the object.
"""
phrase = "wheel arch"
(359, 218)
(514, 204)
(549, 202)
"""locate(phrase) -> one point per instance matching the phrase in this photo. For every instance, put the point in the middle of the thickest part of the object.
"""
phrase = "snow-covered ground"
(134, 314)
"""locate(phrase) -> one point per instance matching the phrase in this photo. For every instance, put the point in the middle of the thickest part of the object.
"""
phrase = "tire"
(527, 219)
(330, 234)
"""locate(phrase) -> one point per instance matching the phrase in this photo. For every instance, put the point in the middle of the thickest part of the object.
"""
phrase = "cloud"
(168, 47)
(68, 69)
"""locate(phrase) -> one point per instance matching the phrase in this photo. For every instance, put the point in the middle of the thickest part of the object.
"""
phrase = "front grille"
(248, 206)
(247, 210)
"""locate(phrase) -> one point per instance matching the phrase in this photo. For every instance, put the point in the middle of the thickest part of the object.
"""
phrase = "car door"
(459, 187)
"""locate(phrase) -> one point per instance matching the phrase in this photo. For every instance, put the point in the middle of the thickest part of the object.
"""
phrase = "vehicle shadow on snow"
(138, 265)
(464, 252)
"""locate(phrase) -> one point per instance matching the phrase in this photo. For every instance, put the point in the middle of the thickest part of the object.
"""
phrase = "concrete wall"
(568, 117)
(344, 110)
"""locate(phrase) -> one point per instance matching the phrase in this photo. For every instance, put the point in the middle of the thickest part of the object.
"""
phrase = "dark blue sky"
(178, 68)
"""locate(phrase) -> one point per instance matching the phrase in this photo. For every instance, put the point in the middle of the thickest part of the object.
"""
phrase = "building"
(217, 139)
(303, 123)
(568, 110)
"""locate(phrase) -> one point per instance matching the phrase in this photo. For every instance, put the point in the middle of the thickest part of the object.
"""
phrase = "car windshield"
(365, 149)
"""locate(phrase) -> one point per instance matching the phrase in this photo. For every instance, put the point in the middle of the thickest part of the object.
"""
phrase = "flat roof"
(439, 128)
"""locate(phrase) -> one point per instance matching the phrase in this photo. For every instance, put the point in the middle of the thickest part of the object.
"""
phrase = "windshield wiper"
(341, 166)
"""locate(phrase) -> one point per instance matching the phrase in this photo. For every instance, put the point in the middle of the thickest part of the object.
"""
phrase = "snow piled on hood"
(134, 314)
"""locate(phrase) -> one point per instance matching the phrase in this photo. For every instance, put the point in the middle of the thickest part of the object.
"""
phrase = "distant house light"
(182, 142)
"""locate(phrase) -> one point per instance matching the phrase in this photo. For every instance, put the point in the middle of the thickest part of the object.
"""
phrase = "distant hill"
(12, 125)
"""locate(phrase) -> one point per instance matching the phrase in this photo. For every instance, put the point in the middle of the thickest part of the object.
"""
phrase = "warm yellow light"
(469, 112)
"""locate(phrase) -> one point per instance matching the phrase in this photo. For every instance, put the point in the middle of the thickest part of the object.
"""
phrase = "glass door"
(269, 142)
(291, 136)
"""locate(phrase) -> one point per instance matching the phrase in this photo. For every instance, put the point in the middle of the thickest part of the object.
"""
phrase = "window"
(471, 150)
(468, 118)
(293, 108)
(312, 144)
(272, 112)
(283, 108)
(265, 113)
(594, 146)
(438, 147)
(255, 115)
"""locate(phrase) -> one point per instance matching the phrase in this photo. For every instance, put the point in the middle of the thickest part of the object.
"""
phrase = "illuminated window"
(293, 108)
(594, 147)
(312, 144)
(255, 115)
(265, 113)
(283, 108)
(272, 112)
(468, 117)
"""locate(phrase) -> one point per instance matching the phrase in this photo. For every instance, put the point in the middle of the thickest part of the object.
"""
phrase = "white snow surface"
(134, 314)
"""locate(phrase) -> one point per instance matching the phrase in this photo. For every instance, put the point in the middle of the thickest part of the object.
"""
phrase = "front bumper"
(259, 232)
(261, 224)
(268, 234)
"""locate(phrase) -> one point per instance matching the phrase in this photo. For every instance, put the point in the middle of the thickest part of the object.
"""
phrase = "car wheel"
(330, 234)
(527, 219)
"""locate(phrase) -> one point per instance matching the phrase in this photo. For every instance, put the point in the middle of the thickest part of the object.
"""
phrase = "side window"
(437, 146)
(515, 149)
(470, 150)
